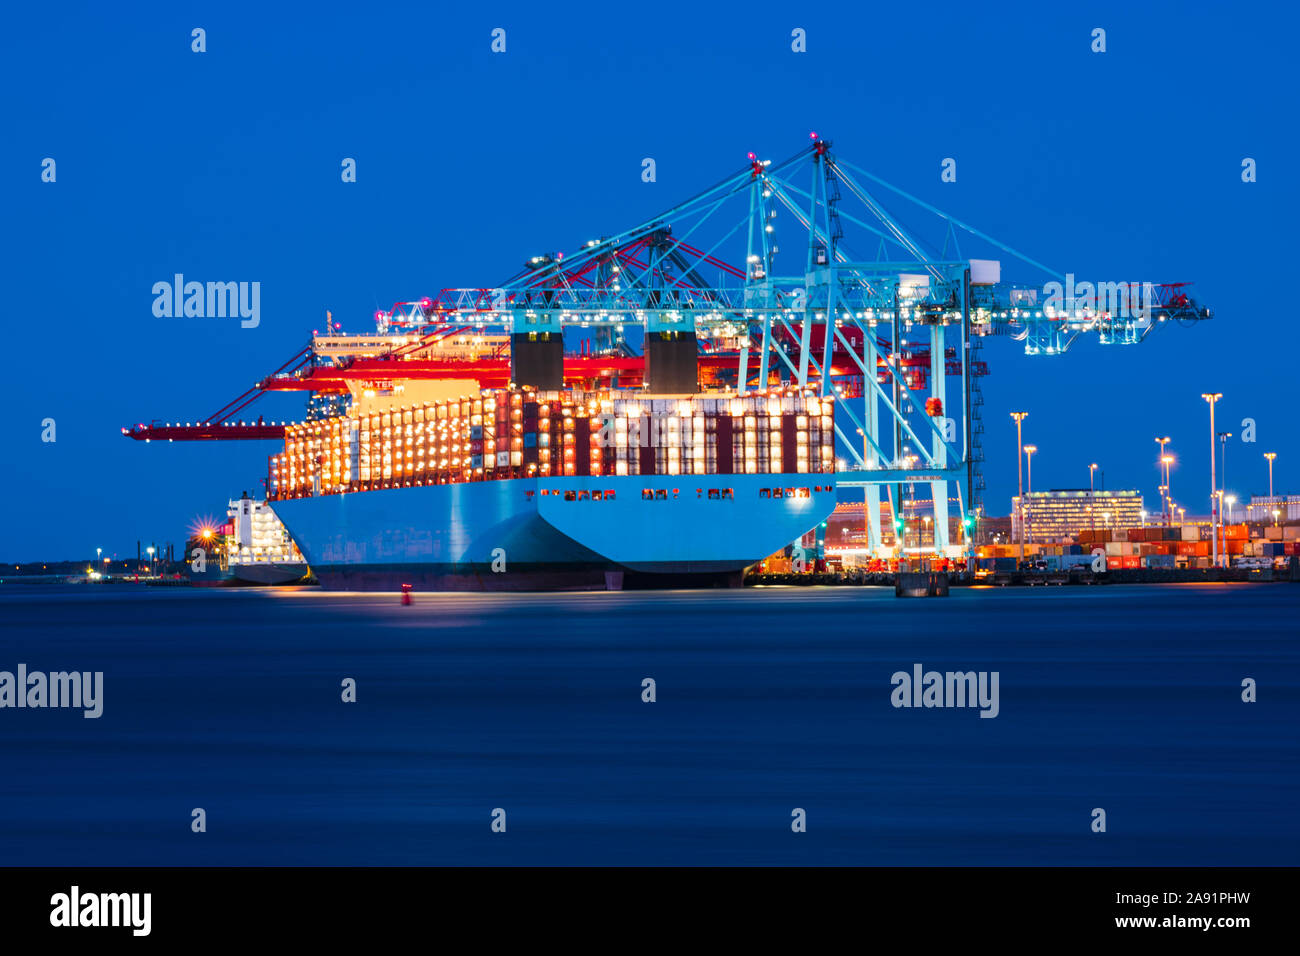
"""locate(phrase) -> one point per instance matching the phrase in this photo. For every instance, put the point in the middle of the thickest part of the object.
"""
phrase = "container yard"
(1183, 546)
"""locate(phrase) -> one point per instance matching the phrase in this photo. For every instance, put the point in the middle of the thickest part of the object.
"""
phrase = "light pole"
(1162, 442)
(149, 550)
(1168, 461)
(1223, 460)
(1227, 558)
(1020, 487)
(1230, 500)
(1213, 397)
(1029, 486)
(1270, 455)
(1092, 495)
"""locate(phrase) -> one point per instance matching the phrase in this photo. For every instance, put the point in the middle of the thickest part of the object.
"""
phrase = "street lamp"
(1168, 462)
(1270, 455)
(1231, 500)
(1162, 442)
(1213, 397)
(1227, 560)
(149, 550)
(1020, 487)
(1144, 517)
(1223, 459)
(1029, 485)
(1092, 495)
(1276, 512)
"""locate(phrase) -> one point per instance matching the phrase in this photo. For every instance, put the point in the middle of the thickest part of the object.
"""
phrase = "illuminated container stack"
(513, 433)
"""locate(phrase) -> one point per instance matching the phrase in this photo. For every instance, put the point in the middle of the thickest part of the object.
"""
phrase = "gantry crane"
(882, 334)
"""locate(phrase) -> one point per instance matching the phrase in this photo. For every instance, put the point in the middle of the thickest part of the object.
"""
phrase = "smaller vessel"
(258, 548)
(252, 547)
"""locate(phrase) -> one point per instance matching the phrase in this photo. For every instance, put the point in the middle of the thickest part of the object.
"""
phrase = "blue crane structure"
(821, 313)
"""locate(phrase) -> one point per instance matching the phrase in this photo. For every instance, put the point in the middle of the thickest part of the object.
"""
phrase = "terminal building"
(1262, 508)
(1060, 514)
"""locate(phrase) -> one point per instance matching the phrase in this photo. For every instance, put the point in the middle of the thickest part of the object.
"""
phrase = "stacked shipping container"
(512, 433)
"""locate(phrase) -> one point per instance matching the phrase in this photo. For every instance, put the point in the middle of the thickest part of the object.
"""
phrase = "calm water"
(1126, 698)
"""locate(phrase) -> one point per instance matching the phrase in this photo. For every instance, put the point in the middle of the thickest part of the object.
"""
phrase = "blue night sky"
(225, 166)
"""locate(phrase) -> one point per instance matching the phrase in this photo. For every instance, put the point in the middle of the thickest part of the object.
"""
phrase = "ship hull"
(555, 533)
(268, 573)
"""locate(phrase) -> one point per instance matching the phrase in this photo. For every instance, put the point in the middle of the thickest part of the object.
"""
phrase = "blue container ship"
(563, 490)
